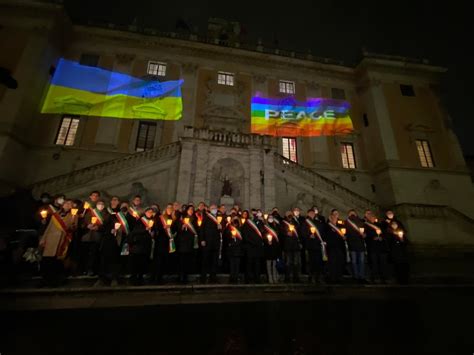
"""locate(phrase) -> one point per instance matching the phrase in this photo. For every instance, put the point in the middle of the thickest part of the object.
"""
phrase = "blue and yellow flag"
(82, 90)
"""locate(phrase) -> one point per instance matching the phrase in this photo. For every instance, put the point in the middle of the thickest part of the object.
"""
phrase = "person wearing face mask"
(318, 216)
(114, 206)
(209, 242)
(356, 242)
(54, 244)
(232, 239)
(276, 215)
(389, 218)
(93, 225)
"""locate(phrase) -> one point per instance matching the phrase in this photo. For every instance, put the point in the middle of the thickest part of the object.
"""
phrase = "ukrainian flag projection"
(291, 118)
(83, 90)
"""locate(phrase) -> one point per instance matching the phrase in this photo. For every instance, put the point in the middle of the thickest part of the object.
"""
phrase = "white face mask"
(100, 207)
(316, 211)
(60, 201)
(214, 211)
(270, 219)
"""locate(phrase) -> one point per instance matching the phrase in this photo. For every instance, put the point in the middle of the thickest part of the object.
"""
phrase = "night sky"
(336, 29)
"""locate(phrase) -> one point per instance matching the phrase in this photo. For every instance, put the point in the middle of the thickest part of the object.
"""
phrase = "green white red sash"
(294, 231)
(374, 227)
(146, 222)
(96, 213)
(335, 229)
(66, 240)
(255, 228)
(354, 226)
(323, 246)
(237, 235)
(52, 209)
(111, 211)
(199, 217)
(189, 225)
(271, 231)
(214, 219)
(348, 258)
(123, 222)
(134, 212)
(167, 228)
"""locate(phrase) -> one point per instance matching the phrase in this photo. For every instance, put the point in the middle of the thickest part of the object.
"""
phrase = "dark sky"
(337, 29)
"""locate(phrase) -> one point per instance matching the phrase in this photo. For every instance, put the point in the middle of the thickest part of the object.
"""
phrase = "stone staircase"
(94, 173)
(320, 183)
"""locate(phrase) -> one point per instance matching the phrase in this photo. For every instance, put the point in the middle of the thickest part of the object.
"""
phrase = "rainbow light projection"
(291, 118)
(83, 90)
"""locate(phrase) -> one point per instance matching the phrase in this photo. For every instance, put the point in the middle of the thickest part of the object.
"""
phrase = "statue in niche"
(226, 187)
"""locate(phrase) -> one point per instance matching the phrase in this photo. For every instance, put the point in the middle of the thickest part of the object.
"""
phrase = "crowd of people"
(117, 238)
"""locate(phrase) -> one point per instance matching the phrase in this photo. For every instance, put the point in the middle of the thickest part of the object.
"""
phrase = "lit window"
(67, 131)
(338, 94)
(91, 60)
(287, 87)
(407, 90)
(146, 136)
(347, 155)
(424, 153)
(289, 149)
(156, 68)
(224, 78)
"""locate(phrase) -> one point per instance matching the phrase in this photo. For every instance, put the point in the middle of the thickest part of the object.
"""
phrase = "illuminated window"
(347, 155)
(289, 149)
(407, 90)
(287, 87)
(338, 94)
(224, 78)
(67, 131)
(146, 136)
(424, 153)
(156, 68)
(91, 60)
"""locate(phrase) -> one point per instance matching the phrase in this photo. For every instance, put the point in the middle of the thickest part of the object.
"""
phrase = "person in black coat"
(356, 242)
(232, 238)
(377, 248)
(186, 243)
(209, 242)
(272, 237)
(397, 241)
(253, 239)
(140, 242)
(292, 246)
(336, 248)
(312, 232)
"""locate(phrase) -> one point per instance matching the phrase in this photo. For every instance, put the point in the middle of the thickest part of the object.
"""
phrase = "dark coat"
(375, 243)
(310, 240)
(232, 246)
(291, 243)
(139, 240)
(355, 240)
(162, 238)
(209, 233)
(185, 236)
(253, 242)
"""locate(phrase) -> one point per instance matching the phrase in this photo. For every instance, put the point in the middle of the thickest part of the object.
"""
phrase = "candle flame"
(74, 211)
(44, 214)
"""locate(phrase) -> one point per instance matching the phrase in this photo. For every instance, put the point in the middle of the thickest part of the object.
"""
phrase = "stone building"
(402, 154)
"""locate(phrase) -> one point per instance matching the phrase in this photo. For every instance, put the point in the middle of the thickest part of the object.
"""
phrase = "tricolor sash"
(189, 225)
(199, 217)
(52, 209)
(96, 213)
(134, 212)
(123, 222)
(354, 226)
(237, 235)
(255, 228)
(214, 219)
(348, 258)
(374, 227)
(111, 211)
(323, 246)
(271, 231)
(66, 240)
(146, 222)
(294, 231)
(167, 228)
(335, 229)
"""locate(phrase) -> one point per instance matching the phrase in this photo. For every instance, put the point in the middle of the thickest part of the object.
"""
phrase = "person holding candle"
(140, 244)
(232, 239)
(114, 205)
(336, 249)
(356, 241)
(136, 209)
(312, 232)
(209, 243)
(397, 241)
(254, 247)
(271, 231)
(165, 225)
(377, 248)
(187, 243)
(292, 246)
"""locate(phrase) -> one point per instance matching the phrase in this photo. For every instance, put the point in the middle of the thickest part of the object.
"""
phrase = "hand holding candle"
(117, 226)
(361, 230)
(343, 231)
(186, 220)
(400, 234)
(74, 211)
(93, 220)
(169, 221)
(44, 214)
(219, 219)
(242, 220)
(313, 230)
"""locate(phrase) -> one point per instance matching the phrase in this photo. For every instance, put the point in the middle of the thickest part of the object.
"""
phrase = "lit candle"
(150, 223)
(44, 214)
(94, 220)
(219, 219)
(242, 220)
(199, 222)
(313, 230)
(269, 237)
(74, 211)
(86, 205)
(186, 220)
(117, 226)
(378, 231)
(169, 221)
(292, 228)
(343, 231)
(229, 219)
(400, 234)
(233, 232)
(362, 229)
(376, 220)
(265, 216)
(339, 221)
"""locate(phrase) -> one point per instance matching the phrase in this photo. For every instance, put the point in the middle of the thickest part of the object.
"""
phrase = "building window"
(67, 131)
(224, 78)
(287, 87)
(338, 94)
(407, 90)
(146, 136)
(156, 68)
(289, 149)
(347, 155)
(91, 60)
(424, 153)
